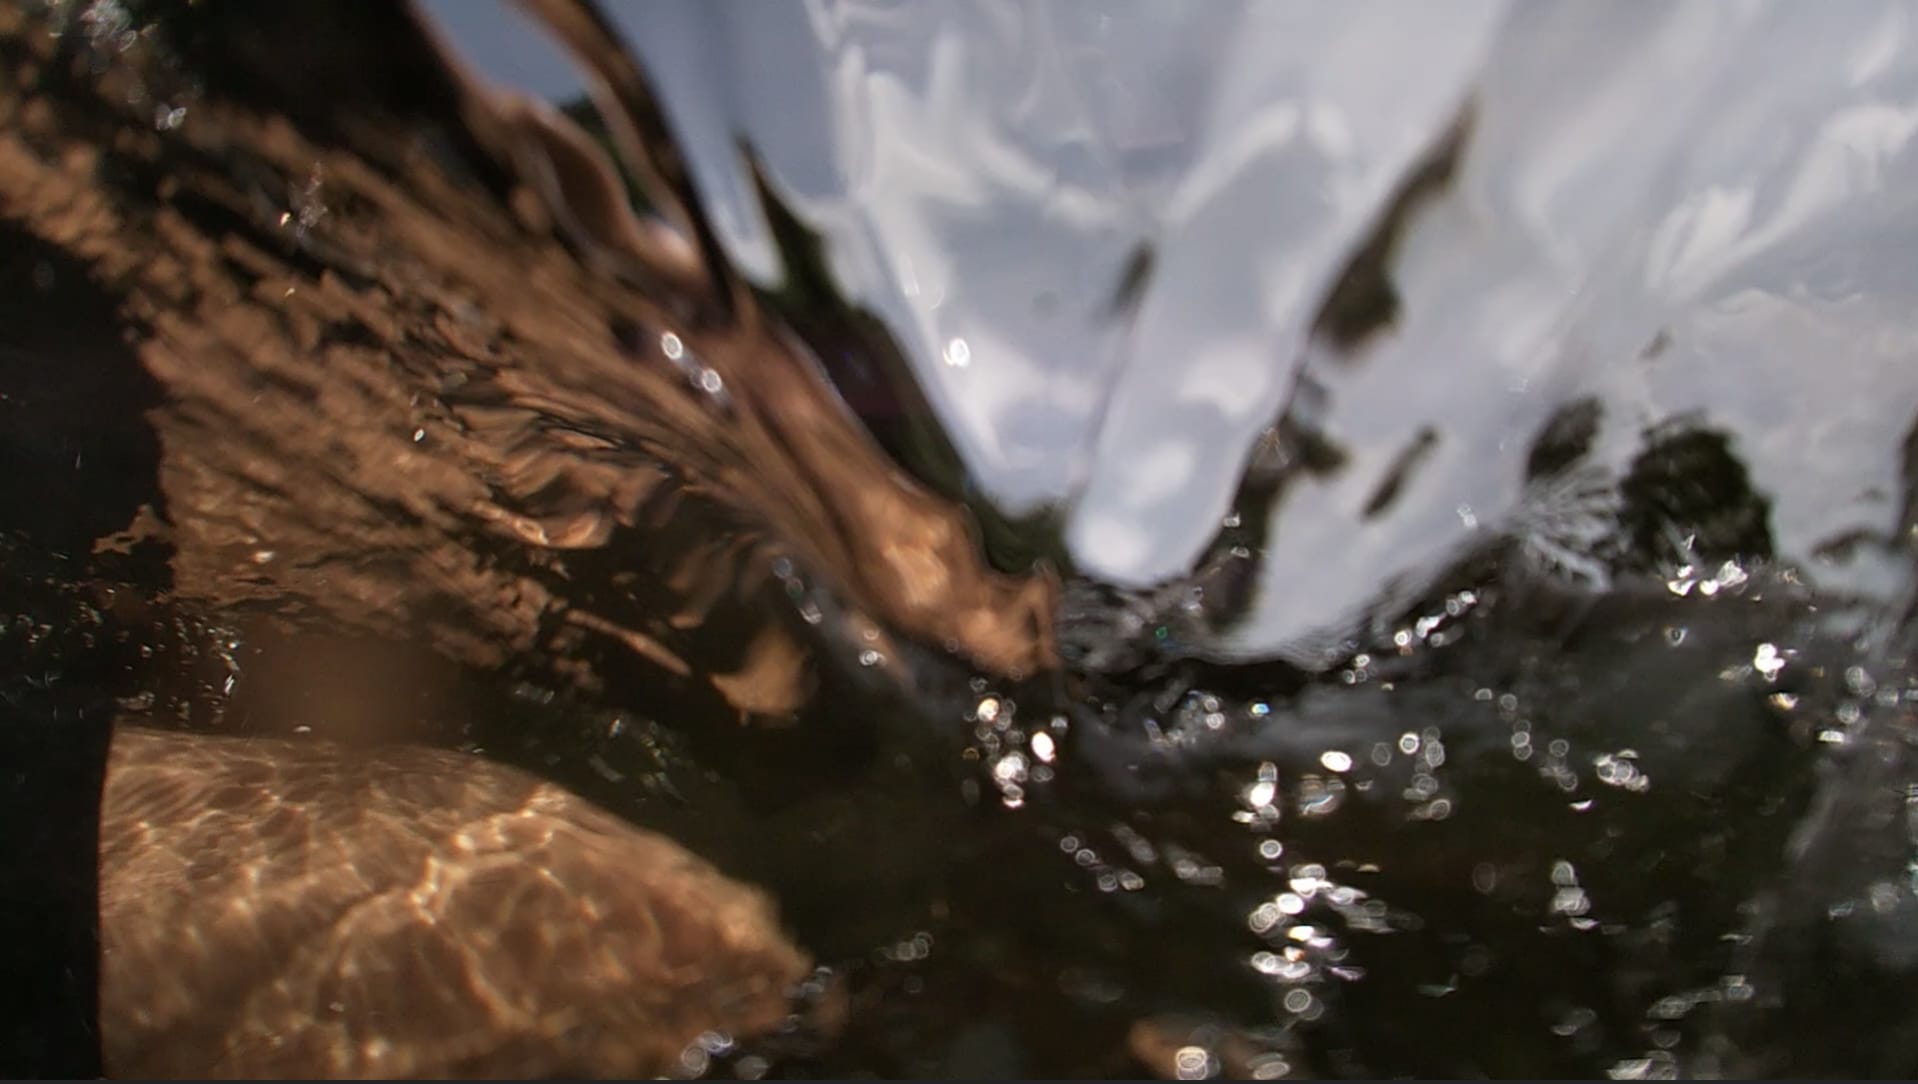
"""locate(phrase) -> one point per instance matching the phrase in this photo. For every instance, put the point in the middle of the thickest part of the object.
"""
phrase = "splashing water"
(1426, 615)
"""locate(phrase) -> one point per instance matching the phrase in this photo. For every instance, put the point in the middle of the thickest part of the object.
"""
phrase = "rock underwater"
(278, 910)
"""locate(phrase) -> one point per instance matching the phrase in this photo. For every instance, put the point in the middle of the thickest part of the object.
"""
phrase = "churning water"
(1263, 540)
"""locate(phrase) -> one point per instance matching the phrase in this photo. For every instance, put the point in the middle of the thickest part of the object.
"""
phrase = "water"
(328, 435)
(1632, 212)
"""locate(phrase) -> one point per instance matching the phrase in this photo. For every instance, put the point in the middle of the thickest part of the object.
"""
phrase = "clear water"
(1518, 688)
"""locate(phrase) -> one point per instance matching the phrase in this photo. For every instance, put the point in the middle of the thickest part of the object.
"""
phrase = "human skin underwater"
(453, 622)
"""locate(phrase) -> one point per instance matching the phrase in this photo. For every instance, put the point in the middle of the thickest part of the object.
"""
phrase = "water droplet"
(1260, 795)
(1194, 1063)
(1042, 746)
(958, 353)
(1859, 681)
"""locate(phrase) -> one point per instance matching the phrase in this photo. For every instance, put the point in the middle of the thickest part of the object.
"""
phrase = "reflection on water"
(417, 458)
(1382, 252)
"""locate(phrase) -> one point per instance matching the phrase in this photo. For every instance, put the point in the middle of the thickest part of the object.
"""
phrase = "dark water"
(1523, 827)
